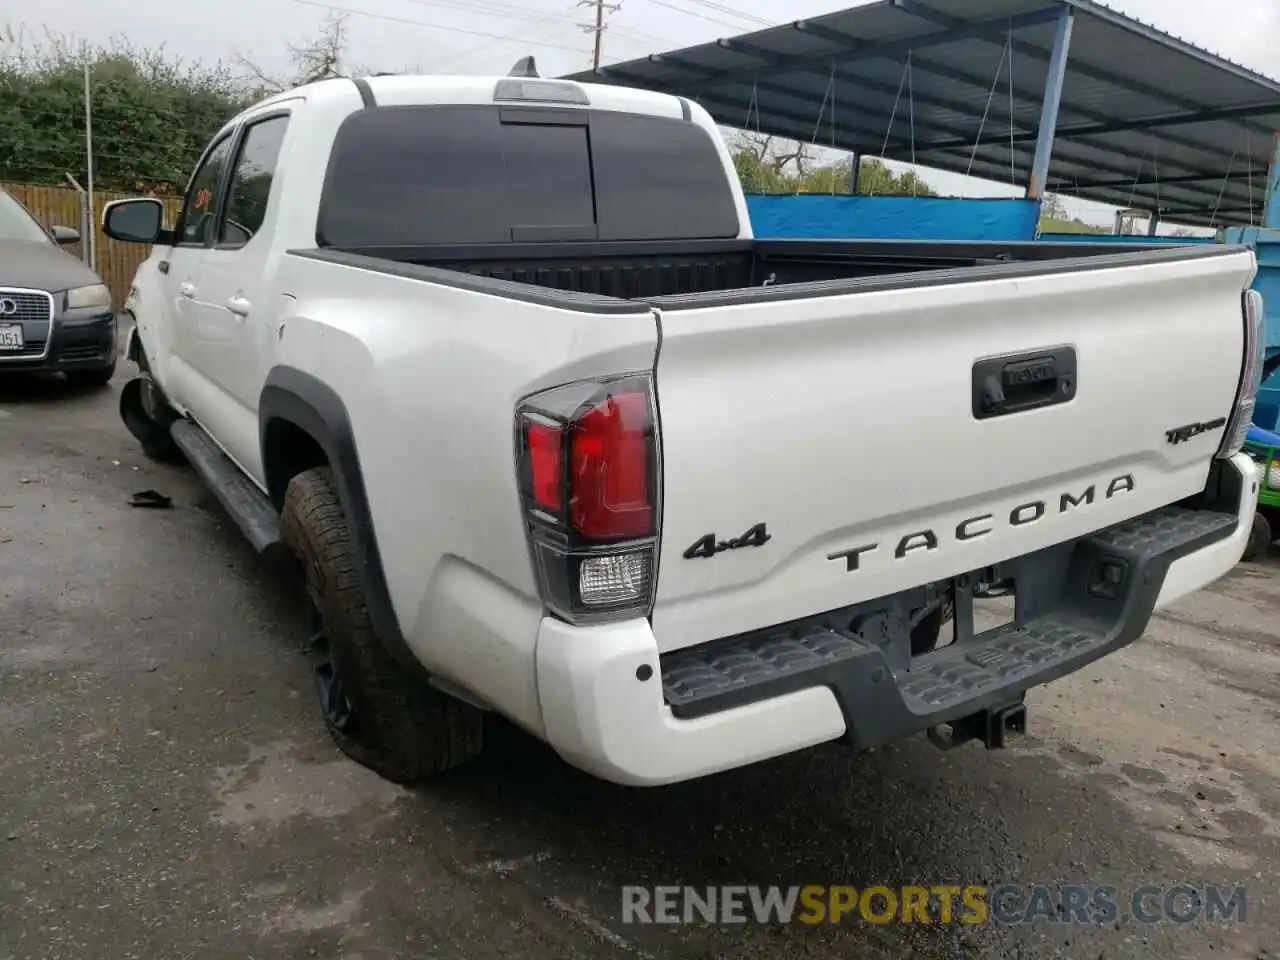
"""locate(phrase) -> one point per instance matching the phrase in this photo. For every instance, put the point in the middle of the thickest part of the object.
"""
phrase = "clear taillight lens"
(1250, 375)
(587, 457)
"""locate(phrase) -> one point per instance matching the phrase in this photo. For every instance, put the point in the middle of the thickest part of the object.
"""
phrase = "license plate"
(11, 336)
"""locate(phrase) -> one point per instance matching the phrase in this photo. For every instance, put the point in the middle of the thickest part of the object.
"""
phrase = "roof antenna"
(525, 67)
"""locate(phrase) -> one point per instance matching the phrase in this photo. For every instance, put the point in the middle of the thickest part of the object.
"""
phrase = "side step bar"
(247, 505)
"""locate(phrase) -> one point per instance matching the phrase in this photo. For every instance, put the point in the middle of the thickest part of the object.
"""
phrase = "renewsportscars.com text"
(937, 904)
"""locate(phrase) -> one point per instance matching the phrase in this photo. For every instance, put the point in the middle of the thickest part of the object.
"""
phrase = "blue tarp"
(815, 216)
(1264, 438)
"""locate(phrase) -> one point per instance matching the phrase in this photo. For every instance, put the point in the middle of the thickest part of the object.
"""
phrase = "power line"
(521, 37)
(689, 13)
(430, 26)
(732, 11)
(491, 7)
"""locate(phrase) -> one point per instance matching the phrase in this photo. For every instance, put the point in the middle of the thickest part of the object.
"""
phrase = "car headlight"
(94, 295)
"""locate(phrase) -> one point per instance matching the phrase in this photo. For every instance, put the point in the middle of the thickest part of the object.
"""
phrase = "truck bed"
(705, 273)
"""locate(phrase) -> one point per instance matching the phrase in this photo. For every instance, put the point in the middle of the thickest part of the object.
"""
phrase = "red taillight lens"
(544, 443)
(609, 483)
(589, 483)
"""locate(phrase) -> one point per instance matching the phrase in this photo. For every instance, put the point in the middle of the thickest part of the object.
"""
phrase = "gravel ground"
(167, 790)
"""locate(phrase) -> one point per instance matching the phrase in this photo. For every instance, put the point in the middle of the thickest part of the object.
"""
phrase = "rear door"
(823, 450)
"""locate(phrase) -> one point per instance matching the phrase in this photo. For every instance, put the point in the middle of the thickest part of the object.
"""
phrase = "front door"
(182, 354)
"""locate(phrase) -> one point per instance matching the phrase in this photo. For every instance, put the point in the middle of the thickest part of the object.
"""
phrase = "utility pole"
(91, 241)
(599, 26)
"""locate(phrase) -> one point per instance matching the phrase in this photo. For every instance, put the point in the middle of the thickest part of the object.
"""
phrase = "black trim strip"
(437, 252)
(686, 112)
(366, 92)
(526, 293)
(595, 303)
(933, 278)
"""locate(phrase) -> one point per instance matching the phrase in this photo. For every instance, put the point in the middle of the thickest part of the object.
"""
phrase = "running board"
(247, 505)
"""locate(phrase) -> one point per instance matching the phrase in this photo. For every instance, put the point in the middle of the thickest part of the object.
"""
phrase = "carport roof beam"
(1133, 100)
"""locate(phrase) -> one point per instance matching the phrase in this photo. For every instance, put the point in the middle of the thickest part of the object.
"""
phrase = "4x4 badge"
(708, 546)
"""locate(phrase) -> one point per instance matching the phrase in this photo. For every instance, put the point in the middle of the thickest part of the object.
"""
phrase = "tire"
(378, 713)
(1260, 539)
(152, 434)
(91, 378)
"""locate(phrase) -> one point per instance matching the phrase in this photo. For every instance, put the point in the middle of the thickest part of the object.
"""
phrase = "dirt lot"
(167, 791)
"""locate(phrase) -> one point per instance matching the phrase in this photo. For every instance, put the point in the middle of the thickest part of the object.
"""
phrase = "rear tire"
(1260, 539)
(377, 713)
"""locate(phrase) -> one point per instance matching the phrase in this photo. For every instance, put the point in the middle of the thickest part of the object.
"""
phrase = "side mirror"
(134, 221)
(65, 236)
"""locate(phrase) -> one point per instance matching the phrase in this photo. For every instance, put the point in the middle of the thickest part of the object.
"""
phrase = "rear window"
(448, 175)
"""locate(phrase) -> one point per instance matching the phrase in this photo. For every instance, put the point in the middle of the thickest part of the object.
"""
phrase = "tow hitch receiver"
(990, 726)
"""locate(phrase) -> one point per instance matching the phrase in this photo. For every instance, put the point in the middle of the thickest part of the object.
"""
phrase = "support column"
(1052, 100)
(855, 171)
(1271, 213)
(1154, 223)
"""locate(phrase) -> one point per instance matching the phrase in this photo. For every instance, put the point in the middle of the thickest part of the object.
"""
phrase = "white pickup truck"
(552, 436)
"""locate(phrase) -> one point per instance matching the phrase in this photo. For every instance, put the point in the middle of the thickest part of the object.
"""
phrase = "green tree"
(152, 115)
(874, 179)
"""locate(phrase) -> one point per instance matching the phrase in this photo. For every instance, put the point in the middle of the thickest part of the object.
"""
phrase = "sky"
(488, 36)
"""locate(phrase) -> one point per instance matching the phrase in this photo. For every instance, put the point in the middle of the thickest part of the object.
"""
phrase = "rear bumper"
(613, 706)
(80, 340)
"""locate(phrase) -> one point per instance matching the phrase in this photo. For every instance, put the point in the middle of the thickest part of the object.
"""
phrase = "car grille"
(32, 348)
(82, 352)
(34, 310)
(32, 307)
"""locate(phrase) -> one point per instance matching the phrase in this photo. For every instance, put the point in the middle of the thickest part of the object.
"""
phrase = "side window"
(251, 181)
(202, 198)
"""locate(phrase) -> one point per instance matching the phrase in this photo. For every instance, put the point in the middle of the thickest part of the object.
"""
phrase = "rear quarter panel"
(431, 377)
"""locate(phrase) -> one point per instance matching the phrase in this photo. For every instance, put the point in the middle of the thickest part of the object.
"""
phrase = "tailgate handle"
(1025, 381)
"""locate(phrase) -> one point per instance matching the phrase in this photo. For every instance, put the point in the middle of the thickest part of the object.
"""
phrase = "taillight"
(588, 468)
(1250, 375)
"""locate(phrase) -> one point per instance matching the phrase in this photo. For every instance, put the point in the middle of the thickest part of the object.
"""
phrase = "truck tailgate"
(845, 424)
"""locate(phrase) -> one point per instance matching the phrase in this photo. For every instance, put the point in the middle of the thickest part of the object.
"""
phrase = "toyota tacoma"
(499, 365)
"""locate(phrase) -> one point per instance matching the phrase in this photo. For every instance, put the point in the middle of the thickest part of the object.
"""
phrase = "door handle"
(239, 306)
(187, 290)
(1020, 382)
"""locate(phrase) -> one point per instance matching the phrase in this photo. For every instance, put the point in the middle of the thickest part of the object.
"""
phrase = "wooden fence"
(116, 262)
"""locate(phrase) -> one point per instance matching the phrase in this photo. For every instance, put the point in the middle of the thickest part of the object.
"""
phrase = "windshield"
(17, 224)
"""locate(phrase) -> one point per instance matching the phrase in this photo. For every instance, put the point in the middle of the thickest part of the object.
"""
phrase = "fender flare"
(308, 403)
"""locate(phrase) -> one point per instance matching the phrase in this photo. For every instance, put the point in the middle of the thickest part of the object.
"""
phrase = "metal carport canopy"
(1145, 119)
